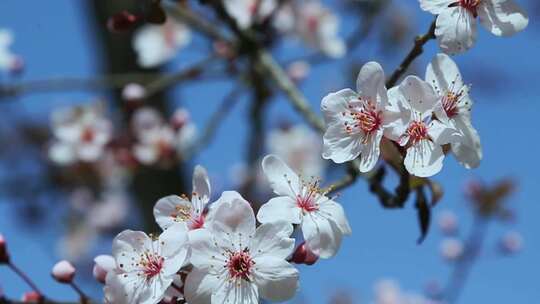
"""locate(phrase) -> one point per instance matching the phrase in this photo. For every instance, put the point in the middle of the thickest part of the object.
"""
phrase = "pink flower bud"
(103, 264)
(31, 297)
(122, 22)
(304, 255)
(63, 272)
(133, 92)
(447, 222)
(452, 249)
(180, 118)
(4, 255)
(511, 243)
(298, 70)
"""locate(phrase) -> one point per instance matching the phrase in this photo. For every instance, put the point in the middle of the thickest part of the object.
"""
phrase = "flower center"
(470, 5)
(183, 213)
(240, 264)
(151, 264)
(417, 131)
(88, 135)
(450, 103)
(365, 117)
(307, 198)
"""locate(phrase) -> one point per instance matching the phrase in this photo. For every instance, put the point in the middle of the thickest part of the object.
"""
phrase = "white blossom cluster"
(214, 252)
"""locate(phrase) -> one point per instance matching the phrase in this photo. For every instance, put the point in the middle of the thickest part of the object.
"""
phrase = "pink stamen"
(470, 5)
(365, 117)
(417, 131)
(151, 264)
(240, 264)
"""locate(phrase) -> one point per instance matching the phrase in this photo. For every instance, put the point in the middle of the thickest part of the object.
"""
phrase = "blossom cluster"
(85, 134)
(215, 252)
(424, 117)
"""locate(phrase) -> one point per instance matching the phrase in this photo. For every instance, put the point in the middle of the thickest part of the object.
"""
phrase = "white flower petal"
(442, 134)
(126, 247)
(276, 279)
(502, 17)
(280, 208)
(334, 212)
(371, 83)
(456, 30)
(340, 146)
(62, 153)
(173, 242)
(435, 6)
(204, 252)
(199, 286)
(370, 152)
(201, 184)
(397, 115)
(469, 150)
(334, 104)
(166, 209)
(233, 215)
(273, 239)
(322, 236)
(424, 159)
(282, 179)
(237, 292)
(443, 74)
(419, 94)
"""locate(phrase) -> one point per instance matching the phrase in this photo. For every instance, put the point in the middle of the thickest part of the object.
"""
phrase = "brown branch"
(417, 50)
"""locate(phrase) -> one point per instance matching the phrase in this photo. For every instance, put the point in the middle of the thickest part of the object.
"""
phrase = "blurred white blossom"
(81, 134)
(157, 44)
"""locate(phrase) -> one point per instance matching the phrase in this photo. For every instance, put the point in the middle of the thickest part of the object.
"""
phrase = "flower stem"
(78, 290)
(25, 278)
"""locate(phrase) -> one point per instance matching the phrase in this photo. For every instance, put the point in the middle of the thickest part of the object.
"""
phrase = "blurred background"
(52, 208)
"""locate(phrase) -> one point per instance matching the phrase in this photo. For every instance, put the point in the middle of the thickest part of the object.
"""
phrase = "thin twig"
(417, 50)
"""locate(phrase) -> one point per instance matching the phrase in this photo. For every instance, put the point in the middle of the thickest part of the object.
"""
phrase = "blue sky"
(54, 41)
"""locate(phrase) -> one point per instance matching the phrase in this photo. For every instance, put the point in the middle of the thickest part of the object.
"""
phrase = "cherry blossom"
(8, 61)
(299, 146)
(146, 267)
(456, 20)
(174, 209)
(155, 144)
(356, 122)
(315, 24)
(233, 262)
(103, 264)
(454, 108)
(452, 249)
(416, 130)
(157, 44)
(81, 134)
(246, 12)
(302, 202)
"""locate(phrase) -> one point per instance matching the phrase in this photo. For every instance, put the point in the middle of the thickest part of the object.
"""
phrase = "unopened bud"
(63, 272)
(122, 22)
(180, 118)
(133, 92)
(31, 297)
(4, 255)
(452, 249)
(448, 222)
(304, 255)
(511, 243)
(103, 264)
(298, 70)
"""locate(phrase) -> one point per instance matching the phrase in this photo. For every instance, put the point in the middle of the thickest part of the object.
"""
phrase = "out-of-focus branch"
(463, 266)
(417, 50)
(215, 120)
(155, 83)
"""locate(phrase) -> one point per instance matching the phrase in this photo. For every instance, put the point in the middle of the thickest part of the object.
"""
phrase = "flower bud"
(133, 92)
(103, 264)
(4, 255)
(122, 22)
(180, 118)
(511, 243)
(452, 249)
(304, 255)
(31, 297)
(298, 70)
(447, 222)
(63, 272)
